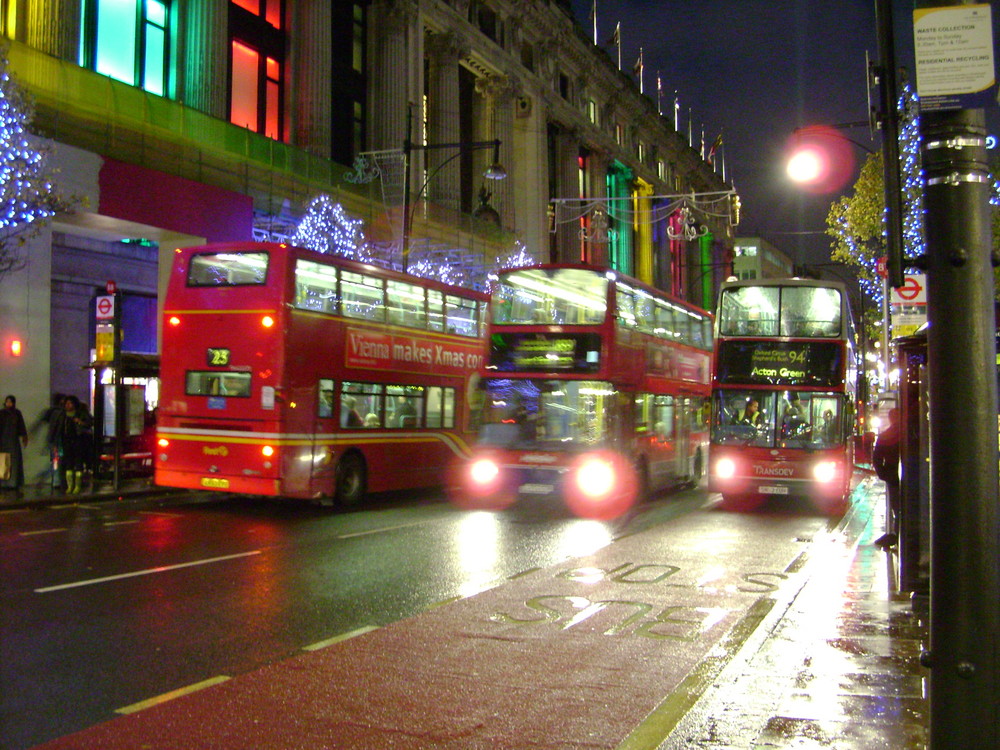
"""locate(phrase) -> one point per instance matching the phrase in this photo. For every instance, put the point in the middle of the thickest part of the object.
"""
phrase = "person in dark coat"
(74, 431)
(885, 461)
(13, 439)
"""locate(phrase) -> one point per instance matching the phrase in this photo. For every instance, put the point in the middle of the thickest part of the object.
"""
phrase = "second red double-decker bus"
(783, 393)
(290, 373)
(594, 391)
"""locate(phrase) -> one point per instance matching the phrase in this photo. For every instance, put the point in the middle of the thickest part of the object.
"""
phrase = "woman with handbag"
(13, 439)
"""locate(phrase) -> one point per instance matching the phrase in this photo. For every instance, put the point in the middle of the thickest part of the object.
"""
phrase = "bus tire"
(351, 481)
(697, 469)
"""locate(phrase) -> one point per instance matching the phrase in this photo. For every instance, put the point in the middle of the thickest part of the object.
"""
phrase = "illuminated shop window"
(257, 83)
(127, 40)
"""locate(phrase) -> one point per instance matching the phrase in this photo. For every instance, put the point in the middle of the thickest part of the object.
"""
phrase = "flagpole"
(659, 95)
(677, 110)
(593, 18)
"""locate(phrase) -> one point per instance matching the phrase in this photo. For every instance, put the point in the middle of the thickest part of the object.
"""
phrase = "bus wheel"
(697, 470)
(351, 481)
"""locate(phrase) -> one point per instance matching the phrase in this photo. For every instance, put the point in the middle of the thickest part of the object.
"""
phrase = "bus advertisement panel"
(783, 394)
(290, 373)
(596, 388)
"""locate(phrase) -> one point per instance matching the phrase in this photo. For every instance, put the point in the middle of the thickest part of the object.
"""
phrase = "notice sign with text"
(953, 47)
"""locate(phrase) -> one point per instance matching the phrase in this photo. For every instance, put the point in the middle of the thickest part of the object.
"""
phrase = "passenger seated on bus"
(406, 414)
(371, 420)
(326, 403)
(349, 416)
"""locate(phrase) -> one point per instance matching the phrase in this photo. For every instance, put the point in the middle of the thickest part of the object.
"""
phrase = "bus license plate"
(766, 490)
(537, 489)
(215, 483)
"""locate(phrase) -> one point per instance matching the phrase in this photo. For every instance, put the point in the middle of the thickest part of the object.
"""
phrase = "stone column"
(498, 93)
(205, 51)
(567, 235)
(389, 95)
(309, 77)
(597, 184)
(54, 28)
(443, 118)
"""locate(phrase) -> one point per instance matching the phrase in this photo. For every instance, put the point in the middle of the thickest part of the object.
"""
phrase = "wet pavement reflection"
(839, 669)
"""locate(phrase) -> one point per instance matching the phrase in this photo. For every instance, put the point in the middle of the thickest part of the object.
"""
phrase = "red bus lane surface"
(603, 651)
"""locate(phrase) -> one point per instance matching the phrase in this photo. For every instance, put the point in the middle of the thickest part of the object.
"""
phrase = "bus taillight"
(163, 442)
(174, 320)
(267, 321)
(267, 451)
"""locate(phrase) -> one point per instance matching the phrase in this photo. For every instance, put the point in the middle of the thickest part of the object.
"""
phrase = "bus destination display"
(780, 363)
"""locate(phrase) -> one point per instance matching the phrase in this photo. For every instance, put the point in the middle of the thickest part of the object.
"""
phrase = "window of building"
(258, 53)
(593, 113)
(127, 40)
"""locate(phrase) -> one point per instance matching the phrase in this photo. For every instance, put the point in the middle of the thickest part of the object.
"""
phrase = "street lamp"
(822, 162)
(494, 172)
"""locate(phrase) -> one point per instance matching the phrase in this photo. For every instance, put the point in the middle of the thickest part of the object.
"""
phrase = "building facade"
(756, 258)
(174, 123)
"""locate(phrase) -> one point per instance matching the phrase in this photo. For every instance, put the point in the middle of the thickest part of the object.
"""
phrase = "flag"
(616, 37)
(715, 147)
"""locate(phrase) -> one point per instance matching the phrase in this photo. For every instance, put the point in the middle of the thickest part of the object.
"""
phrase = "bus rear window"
(209, 383)
(228, 269)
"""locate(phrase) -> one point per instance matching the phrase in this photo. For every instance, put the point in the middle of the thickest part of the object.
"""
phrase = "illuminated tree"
(27, 196)
(326, 228)
(857, 222)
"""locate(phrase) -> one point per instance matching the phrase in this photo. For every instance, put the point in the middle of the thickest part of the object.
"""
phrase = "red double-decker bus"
(290, 373)
(784, 393)
(595, 392)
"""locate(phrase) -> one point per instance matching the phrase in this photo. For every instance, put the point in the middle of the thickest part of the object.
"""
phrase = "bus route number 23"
(218, 357)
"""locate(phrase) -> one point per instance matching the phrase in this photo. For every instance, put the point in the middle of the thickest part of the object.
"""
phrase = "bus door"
(323, 448)
(682, 412)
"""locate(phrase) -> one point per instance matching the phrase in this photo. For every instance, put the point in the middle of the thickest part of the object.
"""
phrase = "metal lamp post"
(494, 172)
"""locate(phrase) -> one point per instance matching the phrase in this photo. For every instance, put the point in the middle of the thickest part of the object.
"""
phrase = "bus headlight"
(267, 451)
(595, 477)
(483, 471)
(601, 486)
(725, 468)
(825, 471)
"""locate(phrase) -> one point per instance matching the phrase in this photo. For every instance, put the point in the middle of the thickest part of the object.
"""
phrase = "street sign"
(105, 307)
(111, 287)
(882, 267)
(912, 292)
(953, 48)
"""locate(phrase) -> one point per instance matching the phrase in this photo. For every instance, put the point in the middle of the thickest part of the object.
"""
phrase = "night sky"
(754, 70)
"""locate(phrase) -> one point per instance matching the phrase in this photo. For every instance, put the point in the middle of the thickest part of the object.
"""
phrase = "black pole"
(965, 537)
(888, 100)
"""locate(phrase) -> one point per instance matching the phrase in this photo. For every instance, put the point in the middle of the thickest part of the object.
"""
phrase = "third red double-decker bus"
(783, 393)
(594, 391)
(290, 373)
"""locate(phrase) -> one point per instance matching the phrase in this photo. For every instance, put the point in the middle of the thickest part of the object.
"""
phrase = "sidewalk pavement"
(828, 659)
(837, 667)
(41, 494)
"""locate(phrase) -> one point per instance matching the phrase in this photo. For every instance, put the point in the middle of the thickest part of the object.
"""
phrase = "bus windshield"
(778, 419)
(551, 296)
(804, 311)
(228, 269)
(554, 414)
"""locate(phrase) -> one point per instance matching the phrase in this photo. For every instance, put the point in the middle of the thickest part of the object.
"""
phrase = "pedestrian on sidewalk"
(47, 422)
(13, 439)
(74, 432)
(885, 461)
